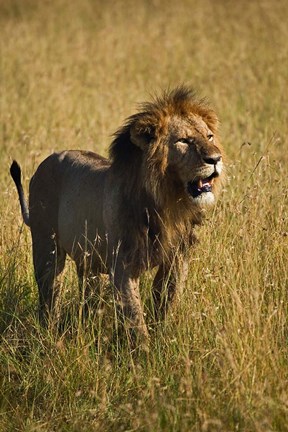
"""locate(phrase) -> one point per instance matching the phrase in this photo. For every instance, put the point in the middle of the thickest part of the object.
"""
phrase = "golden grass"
(70, 73)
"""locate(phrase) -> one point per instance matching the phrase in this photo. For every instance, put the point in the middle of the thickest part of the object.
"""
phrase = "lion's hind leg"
(49, 260)
(90, 287)
(168, 284)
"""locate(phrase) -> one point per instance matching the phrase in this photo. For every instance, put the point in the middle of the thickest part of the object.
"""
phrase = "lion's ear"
(142, 135)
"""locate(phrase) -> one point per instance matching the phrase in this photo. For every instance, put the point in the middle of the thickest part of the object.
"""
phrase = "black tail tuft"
(15, 172)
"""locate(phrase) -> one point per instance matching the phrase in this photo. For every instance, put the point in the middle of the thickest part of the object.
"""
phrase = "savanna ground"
(71, 71)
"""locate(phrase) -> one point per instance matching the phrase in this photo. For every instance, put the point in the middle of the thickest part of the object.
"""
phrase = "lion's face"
(174, 140)
(194, 155)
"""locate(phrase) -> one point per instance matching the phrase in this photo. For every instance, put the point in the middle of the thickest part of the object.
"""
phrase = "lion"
(132, 212)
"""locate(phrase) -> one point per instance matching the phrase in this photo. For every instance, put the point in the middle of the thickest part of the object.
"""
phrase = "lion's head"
(172, 147)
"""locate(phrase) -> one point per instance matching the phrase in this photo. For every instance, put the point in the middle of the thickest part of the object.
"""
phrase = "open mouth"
(197, 187)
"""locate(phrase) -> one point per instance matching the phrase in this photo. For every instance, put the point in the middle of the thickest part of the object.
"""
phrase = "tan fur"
(132, 212)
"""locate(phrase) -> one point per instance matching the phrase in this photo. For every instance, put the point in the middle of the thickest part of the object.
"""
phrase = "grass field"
(71, 71)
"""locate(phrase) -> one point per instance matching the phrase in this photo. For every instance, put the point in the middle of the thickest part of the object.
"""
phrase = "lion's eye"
(185, 140)
(210, 137)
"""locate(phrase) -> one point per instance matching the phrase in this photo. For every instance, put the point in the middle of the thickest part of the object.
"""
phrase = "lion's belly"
(81, 228)
(82, 240)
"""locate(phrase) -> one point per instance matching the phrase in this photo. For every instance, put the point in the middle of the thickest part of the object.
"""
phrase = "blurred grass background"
(70, 73)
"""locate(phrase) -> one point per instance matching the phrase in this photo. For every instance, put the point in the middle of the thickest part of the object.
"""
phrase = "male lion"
(132, 212)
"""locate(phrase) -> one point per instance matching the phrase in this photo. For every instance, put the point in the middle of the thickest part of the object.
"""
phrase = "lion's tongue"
(205, 185)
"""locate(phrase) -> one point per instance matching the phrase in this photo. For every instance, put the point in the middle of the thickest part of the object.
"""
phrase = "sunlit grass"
(70, 73)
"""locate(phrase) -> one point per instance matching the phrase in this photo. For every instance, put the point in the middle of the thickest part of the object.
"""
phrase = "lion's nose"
(212, 159)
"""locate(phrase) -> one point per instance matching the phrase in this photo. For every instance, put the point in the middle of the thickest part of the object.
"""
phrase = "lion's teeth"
(208, 182)
(204, 182)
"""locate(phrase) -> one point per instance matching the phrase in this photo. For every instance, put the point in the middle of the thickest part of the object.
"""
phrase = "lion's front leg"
(129, 306)
(168, 284)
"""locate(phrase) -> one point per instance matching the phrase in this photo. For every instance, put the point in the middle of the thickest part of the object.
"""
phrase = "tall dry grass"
(70, 73)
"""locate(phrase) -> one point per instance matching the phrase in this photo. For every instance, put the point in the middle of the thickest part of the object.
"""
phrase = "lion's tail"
(15, 172)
